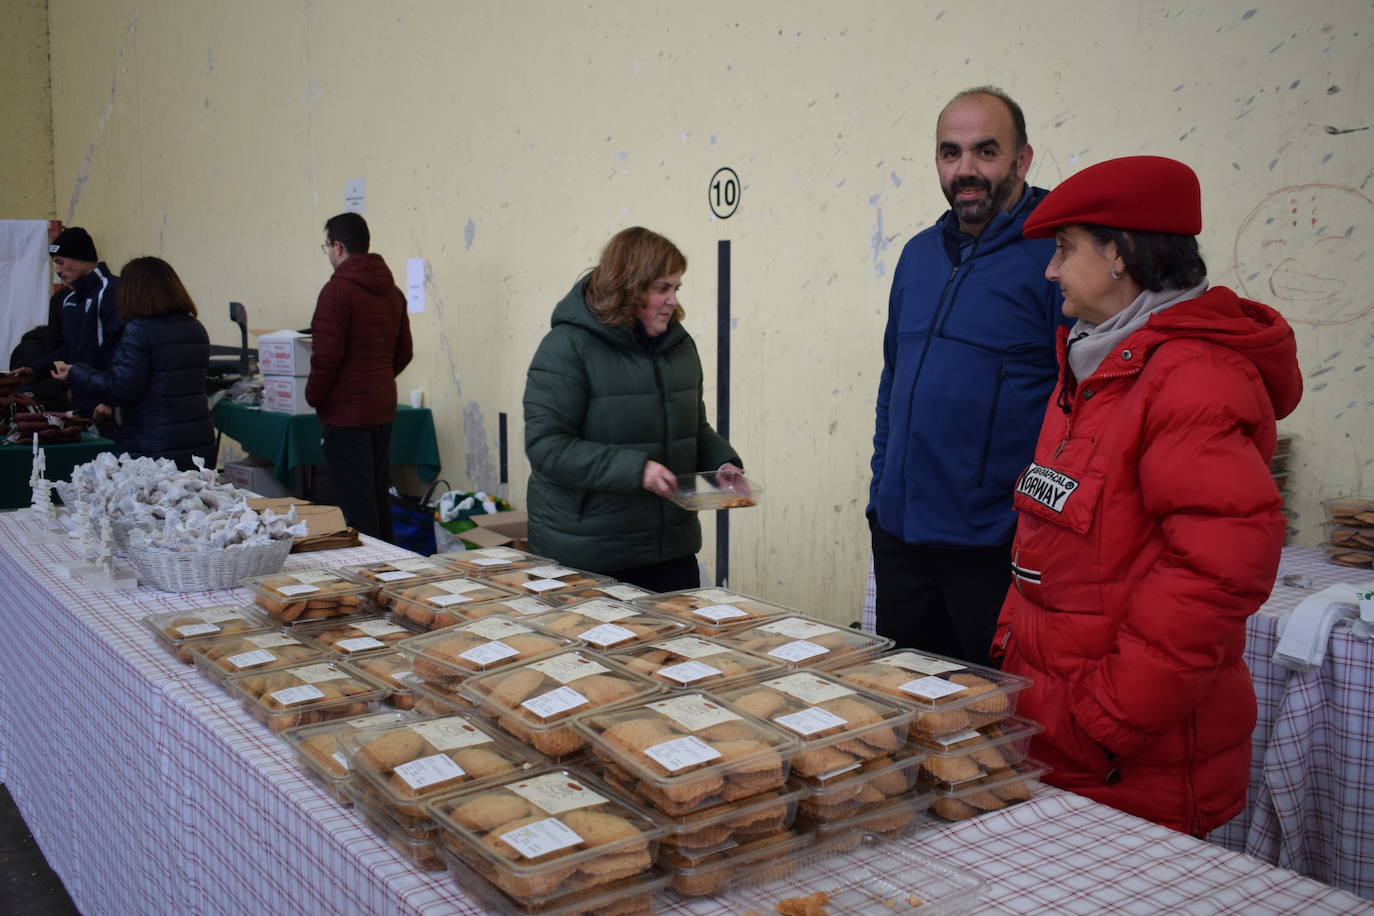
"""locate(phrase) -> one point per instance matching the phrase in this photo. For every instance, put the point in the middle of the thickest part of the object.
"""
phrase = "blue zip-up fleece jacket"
(968, 366)
(90, 328)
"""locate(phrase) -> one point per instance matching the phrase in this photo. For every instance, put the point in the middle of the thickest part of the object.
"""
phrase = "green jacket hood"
(573, 310)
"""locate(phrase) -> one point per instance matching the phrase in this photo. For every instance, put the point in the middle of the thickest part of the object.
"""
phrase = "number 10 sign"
(723, 193)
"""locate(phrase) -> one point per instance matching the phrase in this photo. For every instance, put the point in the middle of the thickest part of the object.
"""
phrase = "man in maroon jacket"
(361, 343)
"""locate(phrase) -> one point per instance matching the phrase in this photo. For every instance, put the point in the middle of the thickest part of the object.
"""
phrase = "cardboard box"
(498, 530)
(284, 353)
(254, 474)
(284, 394)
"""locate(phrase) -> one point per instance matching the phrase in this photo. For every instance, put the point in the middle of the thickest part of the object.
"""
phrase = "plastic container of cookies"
(307, 594)
(956, 757)
(386, 574)
(251, 653)
(1356, 511)
(947, 694)
(1345, 556)
(433, 605)
(548, 834)
(716, 871)
(900, 816)
(450, 656)
(692, 662)
(418, 846)
(513, 606)
(488, 559)
(544, 579)
(636, 896)
(304, 694)
(175, 631)
(606, 624)
(434, 700)
(616, 591)
(733, 824)
(839, 728)
(1349, 537)
(707, 491)
(801, 641)
(356, 636)
(712, 611)
(534, 701)
(393, 669)
(687, 752)
(318, 751)
(871, 878)
(993, 792)
(400, 766)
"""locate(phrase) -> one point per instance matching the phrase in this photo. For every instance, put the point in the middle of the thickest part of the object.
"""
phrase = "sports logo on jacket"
(1048, 487)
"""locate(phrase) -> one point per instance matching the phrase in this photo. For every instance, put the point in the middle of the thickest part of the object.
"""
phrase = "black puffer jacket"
(157, 380)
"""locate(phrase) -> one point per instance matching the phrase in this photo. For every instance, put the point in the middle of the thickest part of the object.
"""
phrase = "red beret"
(1145, 193)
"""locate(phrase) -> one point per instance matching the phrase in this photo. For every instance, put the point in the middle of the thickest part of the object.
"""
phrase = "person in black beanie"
(83, 314)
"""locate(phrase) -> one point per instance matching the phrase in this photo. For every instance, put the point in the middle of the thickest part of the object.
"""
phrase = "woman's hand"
(102, 412)
(658, 479)
(23, 373)
(60, 371)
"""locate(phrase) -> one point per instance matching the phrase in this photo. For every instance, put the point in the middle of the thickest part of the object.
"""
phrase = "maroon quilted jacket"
(361, 343)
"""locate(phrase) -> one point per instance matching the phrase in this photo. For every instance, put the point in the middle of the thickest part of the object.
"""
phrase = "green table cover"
(292, 440)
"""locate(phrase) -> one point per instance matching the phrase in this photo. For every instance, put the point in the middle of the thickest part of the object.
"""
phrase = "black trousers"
(359, 462)
(940, 599)
(668, 576)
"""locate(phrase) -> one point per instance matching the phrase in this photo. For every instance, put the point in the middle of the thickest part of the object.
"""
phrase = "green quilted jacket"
(598, 405)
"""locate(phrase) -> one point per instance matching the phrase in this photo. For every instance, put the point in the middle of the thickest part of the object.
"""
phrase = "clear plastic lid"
(1350, 510)
(688, 751)
(696, 876)
(870, 878)
(489, 559)
(1351, 536)
(173, 630)
(999, 789)
(993, 746)
(691, 662)
(313, 692)
(948, 695)
(534, 701)
(317, 746)
(544, 579)
(548, 834)
(605, 624)
(875, 782)
(1345, 556)
(355, 636)
(633, 896)
(839, 727)
(391, 573)
(712, 490)
(393, 669)
(405, 763)
(514, 606)
(250, 653)
(731, 824)
(307, 594)
(617, 591)
(712, 611)
(433, 699)
(422, 603)
(800, 641)
(449, 656)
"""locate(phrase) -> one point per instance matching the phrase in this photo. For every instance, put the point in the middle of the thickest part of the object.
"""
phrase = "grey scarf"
(1087, 353)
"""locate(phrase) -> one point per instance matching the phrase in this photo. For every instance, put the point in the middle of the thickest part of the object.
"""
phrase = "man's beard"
(978, 212)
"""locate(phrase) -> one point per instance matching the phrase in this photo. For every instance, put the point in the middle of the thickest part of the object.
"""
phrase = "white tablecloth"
(149, 791)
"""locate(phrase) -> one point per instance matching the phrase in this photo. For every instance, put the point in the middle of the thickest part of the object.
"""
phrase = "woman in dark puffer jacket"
(156, 378)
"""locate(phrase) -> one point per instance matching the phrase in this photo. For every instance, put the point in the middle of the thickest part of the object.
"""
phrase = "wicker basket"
(205, 570)
(119, 533)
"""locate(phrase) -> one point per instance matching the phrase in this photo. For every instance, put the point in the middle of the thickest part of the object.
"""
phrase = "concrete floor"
(27, 885)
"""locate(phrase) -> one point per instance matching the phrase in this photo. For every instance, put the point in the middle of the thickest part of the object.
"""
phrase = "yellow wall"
(26, 172)
(505, 142)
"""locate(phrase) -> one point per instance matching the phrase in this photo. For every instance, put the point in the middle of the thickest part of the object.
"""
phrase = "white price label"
(272, 640)
(490, 653)
(689, 672)
(378, 627)
(314, 674)
(293, 695)
(692, 647)
(252, 659)
(796, 628)
(548, 705)
(359, 644)
(544, 585)
(489, 561)
(495, 628)
(555, 793)
(394, 575)
(959, 737)
(607, 634)
(447, 600)
(623, 592)
(526, 606)
(717, 595)
(809, 688)
(603, 610)
(798, 650)
(811, 720)
(931, 688)
(569, 667)
(291, 591)
(720, 612)
(196, 629)
(923, 664)
(541, 838)
(681, 753)
(550, 572)
(450, 734)
(694, 713)
(315, 576)
(430, 770)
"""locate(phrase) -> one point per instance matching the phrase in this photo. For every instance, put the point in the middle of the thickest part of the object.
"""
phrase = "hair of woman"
(631, 260)
(149, 286)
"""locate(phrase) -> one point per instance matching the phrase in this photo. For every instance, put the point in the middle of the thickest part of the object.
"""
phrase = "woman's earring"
(1116, 276)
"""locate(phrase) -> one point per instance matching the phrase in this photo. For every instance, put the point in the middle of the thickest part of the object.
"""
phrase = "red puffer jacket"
(1149, 531)
(361, 343)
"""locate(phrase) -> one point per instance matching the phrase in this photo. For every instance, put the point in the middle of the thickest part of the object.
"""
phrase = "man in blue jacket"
(968, 366)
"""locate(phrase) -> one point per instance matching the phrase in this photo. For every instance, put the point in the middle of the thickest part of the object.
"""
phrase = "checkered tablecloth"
(149, 791)
(1311, 799)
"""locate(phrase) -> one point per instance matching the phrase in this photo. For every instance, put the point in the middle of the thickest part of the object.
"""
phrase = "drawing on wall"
(1300, 251)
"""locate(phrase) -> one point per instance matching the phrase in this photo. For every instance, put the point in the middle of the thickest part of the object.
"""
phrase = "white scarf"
(1087, 353)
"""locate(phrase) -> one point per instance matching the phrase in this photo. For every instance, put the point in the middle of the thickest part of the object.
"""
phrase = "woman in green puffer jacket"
(613, 412)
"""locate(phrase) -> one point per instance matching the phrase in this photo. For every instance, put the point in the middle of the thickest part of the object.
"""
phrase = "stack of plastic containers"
(1350, 531)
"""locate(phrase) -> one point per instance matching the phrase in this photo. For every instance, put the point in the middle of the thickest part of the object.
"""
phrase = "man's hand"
(24, 374)
(658, 479)
(102, 412)
(61, 370)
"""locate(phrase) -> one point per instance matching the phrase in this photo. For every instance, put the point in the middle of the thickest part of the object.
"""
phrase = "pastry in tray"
(302, 695)
(438, 603)
(449, 656)
(251, 653)
(603, 623)
(694, 662)
(541, 580)
(712, 611)
(353, 637)
(307, 594)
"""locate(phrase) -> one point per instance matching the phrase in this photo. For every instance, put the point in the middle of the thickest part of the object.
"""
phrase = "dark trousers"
(940, 599)
(359, 462)
(668, 576)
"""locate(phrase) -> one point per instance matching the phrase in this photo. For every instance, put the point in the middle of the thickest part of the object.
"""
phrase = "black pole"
(502, 447)
(723, 397)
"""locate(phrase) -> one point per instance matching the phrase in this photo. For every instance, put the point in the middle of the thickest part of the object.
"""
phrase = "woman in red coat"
(1149, 523)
